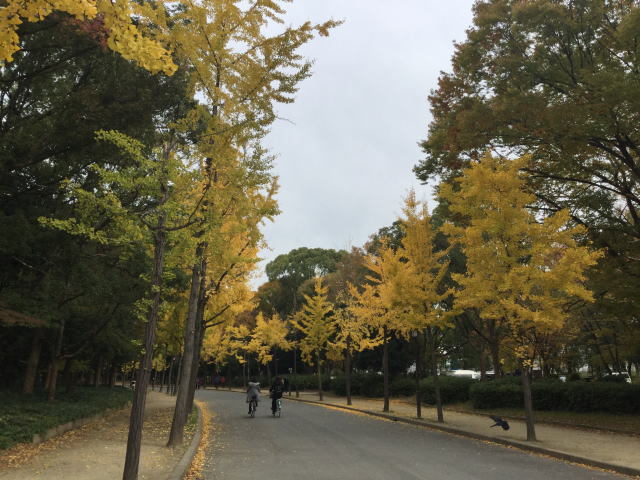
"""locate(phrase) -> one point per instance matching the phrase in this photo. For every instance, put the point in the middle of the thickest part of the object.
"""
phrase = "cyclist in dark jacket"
(276, 391)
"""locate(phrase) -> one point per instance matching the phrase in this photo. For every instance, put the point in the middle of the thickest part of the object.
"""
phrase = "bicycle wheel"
(253, 407)
(279, 411)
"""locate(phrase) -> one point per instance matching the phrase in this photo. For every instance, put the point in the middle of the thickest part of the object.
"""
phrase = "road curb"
(183, 465)
(477, 436)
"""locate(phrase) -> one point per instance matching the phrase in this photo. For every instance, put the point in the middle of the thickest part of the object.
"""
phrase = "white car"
(625, 375)
(465, 374)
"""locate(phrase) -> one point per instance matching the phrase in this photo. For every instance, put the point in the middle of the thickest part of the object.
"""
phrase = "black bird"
(499, 422)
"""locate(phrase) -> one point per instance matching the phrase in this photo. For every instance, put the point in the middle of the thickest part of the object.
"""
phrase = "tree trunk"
(180, 412)
(295, 370)
(30, 373)
(483, 364)
(195, 366)
(113, 371)
(67, 376)
(347, 369)
(319, 375)
(432, 341)
(97, 379)
(528, 402)
(436, 387)
(385, 368)
(53, 380)
(132, 459)
(418, 375)
(494, 347)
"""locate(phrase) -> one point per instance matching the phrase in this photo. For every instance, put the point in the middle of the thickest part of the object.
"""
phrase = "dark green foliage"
(555, 395)
(403, 387)
(21, 416)
(452, 389)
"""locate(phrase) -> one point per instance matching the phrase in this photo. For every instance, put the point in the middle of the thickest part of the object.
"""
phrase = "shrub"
(494, 394)
(402, 386)
(452, 389)
(576, 396)
(23, 416)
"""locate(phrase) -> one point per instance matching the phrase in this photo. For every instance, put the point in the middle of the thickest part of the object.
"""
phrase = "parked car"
(465, 374)
(625, 375)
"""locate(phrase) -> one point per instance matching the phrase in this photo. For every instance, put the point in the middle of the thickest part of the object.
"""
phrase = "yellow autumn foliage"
(132, 41)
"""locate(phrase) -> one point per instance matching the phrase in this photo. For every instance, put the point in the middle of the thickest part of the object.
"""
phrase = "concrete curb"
(520, 446)
(183, 465)
(72, 425)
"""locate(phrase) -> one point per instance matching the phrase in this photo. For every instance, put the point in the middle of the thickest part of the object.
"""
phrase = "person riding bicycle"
(253, 393)
(276, 391)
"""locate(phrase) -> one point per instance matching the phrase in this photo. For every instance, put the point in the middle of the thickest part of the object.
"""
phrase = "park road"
(312, 442)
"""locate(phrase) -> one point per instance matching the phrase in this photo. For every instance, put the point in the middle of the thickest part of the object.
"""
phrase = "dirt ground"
(612, 448)
(96, 451)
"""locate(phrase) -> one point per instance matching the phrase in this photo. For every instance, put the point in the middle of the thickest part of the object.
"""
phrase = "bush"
(452, 389)
(402, 386)
(362, 384)
(22, 416)
(496, 393)
(576, 396)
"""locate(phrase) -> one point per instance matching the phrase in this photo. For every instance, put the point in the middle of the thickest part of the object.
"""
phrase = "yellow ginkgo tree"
(380, 302)
(269, 335)
(316, 323)
(353, 334)
(521, 269)
(134, 39)
(422, 293)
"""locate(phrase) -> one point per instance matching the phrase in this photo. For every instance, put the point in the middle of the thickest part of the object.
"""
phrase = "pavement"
(325, 442)
(96, 451)
(609, 450)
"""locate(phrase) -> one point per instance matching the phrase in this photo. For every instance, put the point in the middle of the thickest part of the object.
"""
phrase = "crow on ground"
(499, 422)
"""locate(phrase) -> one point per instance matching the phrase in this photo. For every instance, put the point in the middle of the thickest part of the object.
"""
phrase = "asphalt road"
(313, 442)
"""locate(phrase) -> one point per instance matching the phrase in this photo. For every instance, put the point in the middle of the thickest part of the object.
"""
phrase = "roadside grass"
(22, 416)
(624, 423)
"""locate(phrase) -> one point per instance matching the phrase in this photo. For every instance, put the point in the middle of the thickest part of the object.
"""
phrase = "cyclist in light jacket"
(253, 392)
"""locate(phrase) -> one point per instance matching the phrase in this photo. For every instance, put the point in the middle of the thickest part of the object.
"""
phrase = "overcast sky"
(345, 160)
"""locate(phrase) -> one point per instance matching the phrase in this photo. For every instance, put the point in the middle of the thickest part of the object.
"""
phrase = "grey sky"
(345, 162)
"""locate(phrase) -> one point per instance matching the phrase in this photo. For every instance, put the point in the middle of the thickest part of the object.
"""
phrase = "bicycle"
(278, 411)
(253, 405)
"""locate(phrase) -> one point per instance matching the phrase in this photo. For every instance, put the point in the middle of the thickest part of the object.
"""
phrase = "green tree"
(556, 79)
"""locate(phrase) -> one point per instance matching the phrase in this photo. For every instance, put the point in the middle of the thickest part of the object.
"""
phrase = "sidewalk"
(606, 450)
(96, 451)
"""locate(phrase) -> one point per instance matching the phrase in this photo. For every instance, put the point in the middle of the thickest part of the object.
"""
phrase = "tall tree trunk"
(113, 371)
(295, 370)
(347, 368)
(494, 347)
(483, 364)
(195, 367)
(319, 375)
(67, 376)
(418, 375)
(30, 373)
(53, 380)
(432, 341)
(180, 412)
(385, 367)
(528, 402)
(97, 379)
(132, 459)
(170, 375)
(176, 437)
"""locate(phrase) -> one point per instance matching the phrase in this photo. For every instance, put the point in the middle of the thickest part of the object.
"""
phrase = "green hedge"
(22, 416)
(452, 389)
(607, 397)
